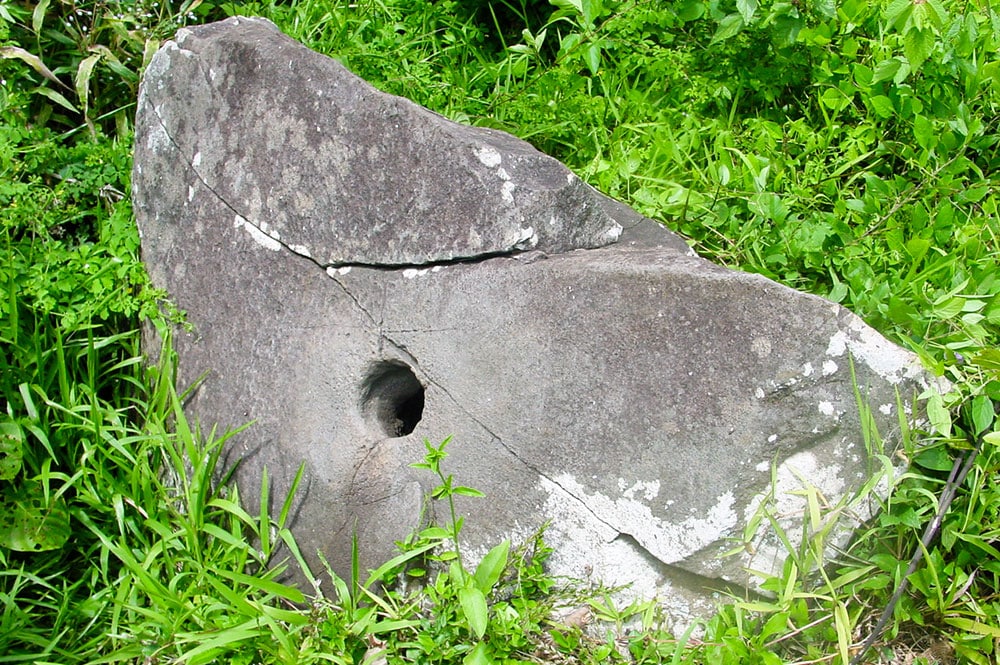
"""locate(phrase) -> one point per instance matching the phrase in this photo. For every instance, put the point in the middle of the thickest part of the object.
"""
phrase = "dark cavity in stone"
(392, 396)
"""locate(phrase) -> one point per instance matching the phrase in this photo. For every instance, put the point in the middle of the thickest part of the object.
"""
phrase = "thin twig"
(955, 479)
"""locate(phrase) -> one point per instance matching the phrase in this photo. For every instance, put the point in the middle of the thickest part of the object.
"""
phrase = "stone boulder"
(363, 274)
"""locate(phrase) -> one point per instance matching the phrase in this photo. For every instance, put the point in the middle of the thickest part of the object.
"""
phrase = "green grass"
(849, 149)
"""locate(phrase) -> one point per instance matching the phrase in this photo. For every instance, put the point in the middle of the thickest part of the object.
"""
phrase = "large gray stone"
(637, 396)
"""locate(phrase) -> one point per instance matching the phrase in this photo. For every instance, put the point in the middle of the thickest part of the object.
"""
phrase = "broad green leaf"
(863, 75)
(729, 26)
(981, 410)
(834, 99)
(30, 524)
(747, 9)
(923, 131)
(898, 13)
(935, 459)
(491, 567)
(882, 106)
(478, 656)
(939, 416)
(934, 12)
(917, 248)
(11, 450)
(948, 308)
(569, 5)
(474, 608)
(839, 290)
(974, 194)
(917, 45)
(568, 43)
(886, 70)
(768, 205)
(691, 10)
(724, 175)
(993, 438)
(826, 8)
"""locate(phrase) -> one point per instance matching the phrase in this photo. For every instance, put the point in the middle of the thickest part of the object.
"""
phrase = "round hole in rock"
(392, 396)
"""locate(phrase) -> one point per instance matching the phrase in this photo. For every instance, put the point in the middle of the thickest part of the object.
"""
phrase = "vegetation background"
(848, 148)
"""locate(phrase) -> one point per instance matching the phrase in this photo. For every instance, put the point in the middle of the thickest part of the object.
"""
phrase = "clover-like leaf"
(30, 523)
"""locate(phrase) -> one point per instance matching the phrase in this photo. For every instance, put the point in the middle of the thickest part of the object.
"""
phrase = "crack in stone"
(379, 499)
(401, 349)
(357, 302)
(360, 465)
(691, 580)
(512, 252)
(423, 330)
(222, 199)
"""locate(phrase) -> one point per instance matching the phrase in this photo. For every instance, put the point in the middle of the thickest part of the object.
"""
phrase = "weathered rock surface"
(350, 175)
(636, 395)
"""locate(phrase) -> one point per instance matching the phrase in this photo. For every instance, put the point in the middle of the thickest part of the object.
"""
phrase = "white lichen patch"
(507, 192)
(807, 369)
(826, 408)
(669, 542)
(489, 156)
(335, 272)
(259, 237)
(411, 273)
(196, 160)
(889, 361)
(649, 490)
(525, 238)
(613, 233)
(266, 229)
(829, 367)
(885, 409)
(761, 346)
(157, 140)
(301, 250)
